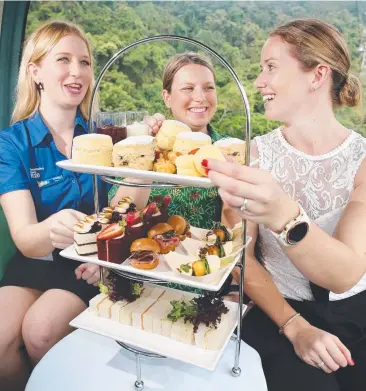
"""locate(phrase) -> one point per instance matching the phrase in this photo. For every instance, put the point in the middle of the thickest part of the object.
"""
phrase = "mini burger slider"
(165, 237)
(180, 226)
(144, 254)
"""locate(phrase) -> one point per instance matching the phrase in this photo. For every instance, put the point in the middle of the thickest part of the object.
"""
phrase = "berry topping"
(96, 227)
(150, 210)
(116, 217)
(167, 200)
(133, 218)
(132, 208)
(111, 231)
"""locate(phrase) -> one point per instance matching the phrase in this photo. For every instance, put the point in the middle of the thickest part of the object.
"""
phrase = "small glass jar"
(112, 124)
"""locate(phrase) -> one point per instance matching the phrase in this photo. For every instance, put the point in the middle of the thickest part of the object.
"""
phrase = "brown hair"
(313, 42)
(179, 61)
(38, 45)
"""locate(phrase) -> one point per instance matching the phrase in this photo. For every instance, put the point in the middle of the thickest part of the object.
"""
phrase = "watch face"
(298, 232)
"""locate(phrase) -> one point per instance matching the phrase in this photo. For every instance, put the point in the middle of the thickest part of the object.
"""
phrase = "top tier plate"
(136, 174)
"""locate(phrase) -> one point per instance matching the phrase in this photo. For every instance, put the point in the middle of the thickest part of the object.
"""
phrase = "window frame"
(12, 32)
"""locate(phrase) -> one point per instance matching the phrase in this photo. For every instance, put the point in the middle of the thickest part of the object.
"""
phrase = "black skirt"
(284, 371)
(44, 275)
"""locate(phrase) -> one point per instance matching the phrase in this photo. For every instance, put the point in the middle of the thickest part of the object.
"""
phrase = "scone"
(233, 147)
(188, 141)
(185, 166)
(206, 152)
(93, 149)
(168, 132)
(136, 152)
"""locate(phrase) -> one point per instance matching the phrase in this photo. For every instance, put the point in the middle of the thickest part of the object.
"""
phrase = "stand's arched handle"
(247, 132)
(243, 94)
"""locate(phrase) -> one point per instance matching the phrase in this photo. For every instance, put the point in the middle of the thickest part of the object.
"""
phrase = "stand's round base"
(236, 372)
(139, 385)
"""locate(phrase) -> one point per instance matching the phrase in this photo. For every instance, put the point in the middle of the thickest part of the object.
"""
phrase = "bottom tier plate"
(164, 346)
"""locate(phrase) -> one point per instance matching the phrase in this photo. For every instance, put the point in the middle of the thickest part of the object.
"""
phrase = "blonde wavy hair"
(38, 45)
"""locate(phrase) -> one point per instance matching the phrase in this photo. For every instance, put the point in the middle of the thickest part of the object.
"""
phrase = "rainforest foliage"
(235, 30)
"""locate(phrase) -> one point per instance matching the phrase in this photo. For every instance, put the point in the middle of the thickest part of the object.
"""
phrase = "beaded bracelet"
(281, 330)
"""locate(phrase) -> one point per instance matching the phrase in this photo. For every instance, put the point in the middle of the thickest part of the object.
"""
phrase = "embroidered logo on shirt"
(34, 174)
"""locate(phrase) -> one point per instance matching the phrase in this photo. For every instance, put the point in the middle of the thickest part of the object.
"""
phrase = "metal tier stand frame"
(236, 371)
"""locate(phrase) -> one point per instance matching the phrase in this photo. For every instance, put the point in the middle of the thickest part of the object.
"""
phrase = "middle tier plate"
(136, 174)
(163, 272)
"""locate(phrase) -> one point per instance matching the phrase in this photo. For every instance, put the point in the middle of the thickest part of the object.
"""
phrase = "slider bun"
(145, 260)
(207, 152)
(178, 223)
(159, 229)
(144, 244)
(169, 129)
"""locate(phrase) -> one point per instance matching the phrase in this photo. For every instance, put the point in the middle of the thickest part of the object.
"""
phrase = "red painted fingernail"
(207, 170)
(204, 162)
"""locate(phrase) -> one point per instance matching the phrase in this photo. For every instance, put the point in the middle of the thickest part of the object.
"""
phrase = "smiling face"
(192, 98)
(65, 72)
(285, 87)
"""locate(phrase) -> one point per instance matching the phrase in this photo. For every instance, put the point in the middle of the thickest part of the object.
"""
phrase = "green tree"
(236, 30)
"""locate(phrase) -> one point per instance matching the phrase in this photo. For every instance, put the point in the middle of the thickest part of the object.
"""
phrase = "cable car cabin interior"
(13, 16)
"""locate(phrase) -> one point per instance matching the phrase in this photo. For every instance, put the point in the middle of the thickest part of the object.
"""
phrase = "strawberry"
(133, 218)
(110, 232)
(150, 210)
(166, 200)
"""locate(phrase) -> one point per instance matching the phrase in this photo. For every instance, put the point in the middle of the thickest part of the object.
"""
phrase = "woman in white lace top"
(306, 211)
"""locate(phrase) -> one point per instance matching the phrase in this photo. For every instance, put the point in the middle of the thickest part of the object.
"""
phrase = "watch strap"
(282, 237)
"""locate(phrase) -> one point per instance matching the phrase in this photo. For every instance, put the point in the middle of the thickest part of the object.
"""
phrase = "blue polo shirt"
(28, 157)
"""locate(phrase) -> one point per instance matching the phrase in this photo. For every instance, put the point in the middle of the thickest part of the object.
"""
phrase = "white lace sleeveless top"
(322, 185)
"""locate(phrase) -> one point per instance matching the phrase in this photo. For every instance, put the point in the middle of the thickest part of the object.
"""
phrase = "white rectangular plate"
(155, 343)
(162, 272)
(137, 174)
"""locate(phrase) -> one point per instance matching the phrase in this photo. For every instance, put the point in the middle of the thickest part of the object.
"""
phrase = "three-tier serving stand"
(236, 371)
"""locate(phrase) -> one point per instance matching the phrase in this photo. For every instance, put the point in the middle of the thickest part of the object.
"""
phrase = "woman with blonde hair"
(306, 212)
(41, 292)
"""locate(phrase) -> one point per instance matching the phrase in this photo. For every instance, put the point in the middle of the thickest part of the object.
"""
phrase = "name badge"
(49, 181)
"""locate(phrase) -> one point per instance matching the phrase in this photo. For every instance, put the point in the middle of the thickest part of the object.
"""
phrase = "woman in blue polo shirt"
(41, 291)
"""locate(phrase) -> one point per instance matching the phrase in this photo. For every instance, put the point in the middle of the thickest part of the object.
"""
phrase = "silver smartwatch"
(294, 231)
